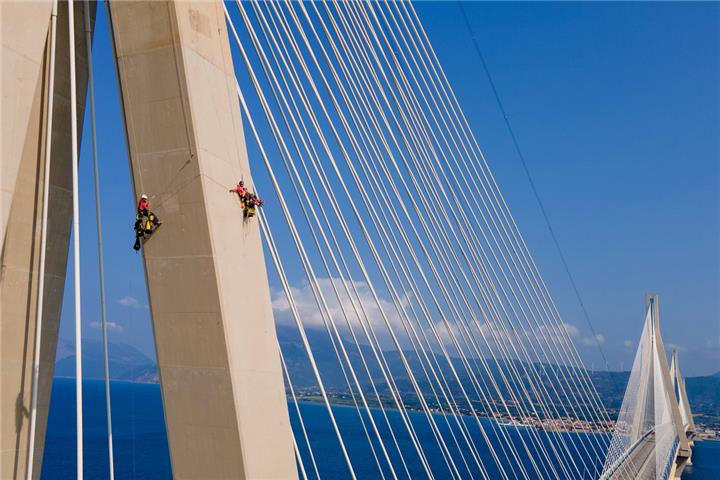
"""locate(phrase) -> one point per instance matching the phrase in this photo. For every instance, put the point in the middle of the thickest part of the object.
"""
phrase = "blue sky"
(617, 109)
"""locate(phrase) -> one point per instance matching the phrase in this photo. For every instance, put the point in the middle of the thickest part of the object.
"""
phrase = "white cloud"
(494, 335)
(628, 344)
(312, 316)
(572, 330)
(131, 302)
(592, 341)
(110, 326)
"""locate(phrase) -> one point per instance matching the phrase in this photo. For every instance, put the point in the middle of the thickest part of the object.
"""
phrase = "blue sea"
(141, 451)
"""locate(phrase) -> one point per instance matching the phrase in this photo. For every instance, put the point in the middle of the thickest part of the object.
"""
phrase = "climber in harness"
(248, 200)
(146, 222)
(241, 191)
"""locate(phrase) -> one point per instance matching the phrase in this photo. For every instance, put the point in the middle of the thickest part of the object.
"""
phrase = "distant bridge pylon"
(679, 389)
(651, 437)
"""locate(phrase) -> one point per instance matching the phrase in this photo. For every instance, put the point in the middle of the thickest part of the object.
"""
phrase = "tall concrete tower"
(220, 373)
(25, 78)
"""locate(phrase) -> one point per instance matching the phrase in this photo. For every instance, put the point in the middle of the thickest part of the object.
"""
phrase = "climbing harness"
(146, 223)
(248, 200)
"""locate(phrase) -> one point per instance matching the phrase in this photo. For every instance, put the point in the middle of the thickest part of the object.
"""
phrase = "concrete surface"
(24, 112)
(222, 385)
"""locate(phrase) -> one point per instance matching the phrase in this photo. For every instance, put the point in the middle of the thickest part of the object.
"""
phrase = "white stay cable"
(296, 316)
(43, 248)
(448, 94)
(555, 330)
(300, 420)
(98, 215)
(376, 299)
(344, 188)
(316, 221)
(411, 52)
(299, 457)
(354, 295)
(377, 178)
(412, 94)
(286, 285)
(76, 243)
(368, 109)
(412, 110)
(329, 320)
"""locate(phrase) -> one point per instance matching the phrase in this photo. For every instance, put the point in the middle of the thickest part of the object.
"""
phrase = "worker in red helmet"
(143, 204)
(241, 191)
(146, 222)
(248, 200)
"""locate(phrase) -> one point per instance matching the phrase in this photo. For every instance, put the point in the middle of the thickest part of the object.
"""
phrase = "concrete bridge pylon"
(25, 56)
(679, 386)
(649, 438)
(218, 358)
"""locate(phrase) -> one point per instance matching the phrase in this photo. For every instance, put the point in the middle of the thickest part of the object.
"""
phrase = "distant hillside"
(704, 395)
(126, 362)
(610, 387)
(129, 364)
(703, 392)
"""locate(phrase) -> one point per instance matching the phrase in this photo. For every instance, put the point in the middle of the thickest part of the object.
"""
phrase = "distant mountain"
(129, 364)
(125, 361)
(611, 387)
(704, 394)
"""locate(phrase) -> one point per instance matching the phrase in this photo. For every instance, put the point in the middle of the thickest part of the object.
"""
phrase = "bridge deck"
(640, 463)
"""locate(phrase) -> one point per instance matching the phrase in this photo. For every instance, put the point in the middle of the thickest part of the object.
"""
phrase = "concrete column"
(223, 393)
(679, 384)
(651, 300)
(24, 116)
(24, 34)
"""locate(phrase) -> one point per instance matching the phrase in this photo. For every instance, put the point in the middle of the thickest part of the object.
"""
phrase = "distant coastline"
(127, 364)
